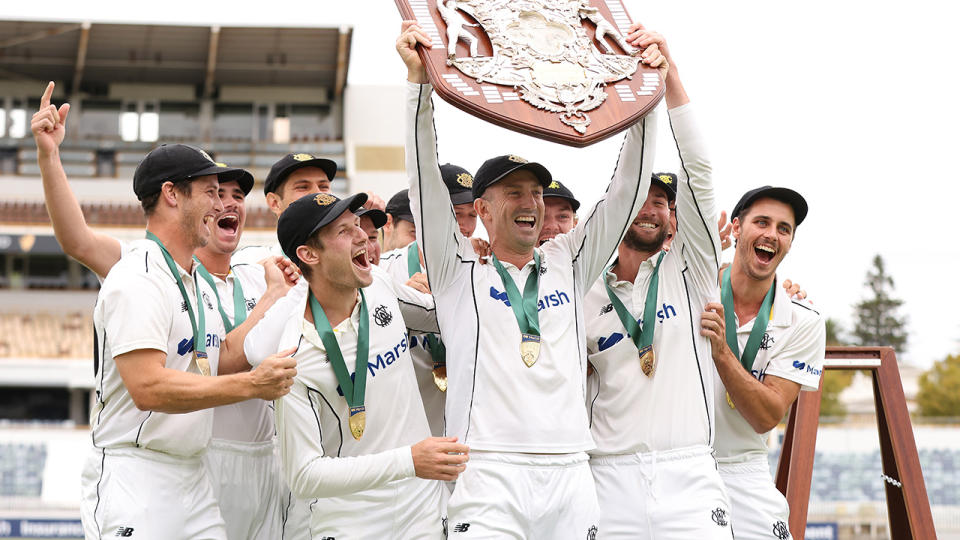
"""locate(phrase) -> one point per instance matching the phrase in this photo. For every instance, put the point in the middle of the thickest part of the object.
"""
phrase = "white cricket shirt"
(494, 401)
(250, 420)
(313, 419)
(395, 264)
(792, 348)
(140, 307)
(630, 412)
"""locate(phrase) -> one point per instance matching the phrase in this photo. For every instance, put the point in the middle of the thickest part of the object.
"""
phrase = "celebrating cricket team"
(378, 373)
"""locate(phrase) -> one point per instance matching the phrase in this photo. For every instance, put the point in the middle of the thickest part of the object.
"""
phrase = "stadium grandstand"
(247, 95)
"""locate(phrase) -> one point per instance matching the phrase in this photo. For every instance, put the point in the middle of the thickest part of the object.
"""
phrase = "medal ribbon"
(354, 389)
(641, 338)
(438, 352)
(759, 323)
(525, 307)
(239, 302)
(199, 330)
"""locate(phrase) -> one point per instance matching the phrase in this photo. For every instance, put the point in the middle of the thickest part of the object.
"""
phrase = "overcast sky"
(854, 104)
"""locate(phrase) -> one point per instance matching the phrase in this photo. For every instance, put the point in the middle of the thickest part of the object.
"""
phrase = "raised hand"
(419, 282)
(410, 35)
(713, 327)
(273, 378)
(726, 231)
(440, 458)
(49, 124)
(279, 273)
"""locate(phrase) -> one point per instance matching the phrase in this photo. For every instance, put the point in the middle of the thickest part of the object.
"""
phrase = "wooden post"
(907, 505)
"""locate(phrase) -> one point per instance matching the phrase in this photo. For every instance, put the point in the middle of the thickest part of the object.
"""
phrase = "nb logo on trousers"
(125, 532)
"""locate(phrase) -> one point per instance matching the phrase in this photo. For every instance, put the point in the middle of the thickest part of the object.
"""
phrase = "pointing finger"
(45, 100)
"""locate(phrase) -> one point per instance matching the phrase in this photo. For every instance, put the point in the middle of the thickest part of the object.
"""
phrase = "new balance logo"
(461, 527)
(125, 532)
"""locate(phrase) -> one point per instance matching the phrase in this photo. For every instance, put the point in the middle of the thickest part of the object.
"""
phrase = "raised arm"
(697, 234)
(437, 230)
(96, 251)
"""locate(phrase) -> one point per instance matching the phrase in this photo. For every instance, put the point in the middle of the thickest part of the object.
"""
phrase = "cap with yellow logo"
(293, 161)
(556, 189)
(310, 213)
(459, 183)
(668, 181)
(495, 169)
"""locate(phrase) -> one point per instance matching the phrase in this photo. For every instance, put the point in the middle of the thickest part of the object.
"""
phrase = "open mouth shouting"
(764, 253)
(360, 260)
(526, 222)
(228, 223)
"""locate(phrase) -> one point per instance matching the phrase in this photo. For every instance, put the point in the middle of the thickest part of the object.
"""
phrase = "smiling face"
(466, 218)
(198, 210)
(764, 234)
(373, 239)
(303, 181)
(558, 218)
(398, 233)
(228, 224)
(338, 257)
(512, 211)
(651, 227)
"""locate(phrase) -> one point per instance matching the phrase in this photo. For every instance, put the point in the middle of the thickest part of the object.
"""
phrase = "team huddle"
(590, 374)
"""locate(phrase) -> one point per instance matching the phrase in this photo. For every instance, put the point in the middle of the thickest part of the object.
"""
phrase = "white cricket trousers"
(147, 495)
(758, 509)
(524, 496)
(246, 482)
(671, 495)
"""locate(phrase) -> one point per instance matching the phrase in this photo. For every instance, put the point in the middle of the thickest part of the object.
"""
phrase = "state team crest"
(560, 70)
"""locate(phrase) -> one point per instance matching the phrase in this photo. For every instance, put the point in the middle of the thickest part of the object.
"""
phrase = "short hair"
(149, 203)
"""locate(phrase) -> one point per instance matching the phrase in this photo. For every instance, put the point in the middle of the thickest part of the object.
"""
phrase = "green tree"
(878, 322)
(939, 388)
(834, 380)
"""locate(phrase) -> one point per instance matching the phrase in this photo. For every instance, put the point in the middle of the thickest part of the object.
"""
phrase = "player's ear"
(273, 202)
(736, 228)
(482, 206)
(308, 255)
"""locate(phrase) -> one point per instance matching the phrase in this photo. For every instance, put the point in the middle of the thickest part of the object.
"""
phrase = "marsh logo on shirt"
(665, 312)
(186, 344)
(558, 298)
(802, 366)
(384, 360)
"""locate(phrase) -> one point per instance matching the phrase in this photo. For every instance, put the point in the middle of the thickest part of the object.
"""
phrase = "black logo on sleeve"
(206, 300)
(592, 533)
(251, 303)
(461, 527)
(382, 315)
(780, 530)
(720, 517)
(125, 532)
(606, 309)
(543, 268)
(766, 342)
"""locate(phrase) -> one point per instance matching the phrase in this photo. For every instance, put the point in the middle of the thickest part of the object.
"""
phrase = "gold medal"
(358, 421)
(648, 361)
(440, 378)
(203, 363)
(529, 349)
(730, 401)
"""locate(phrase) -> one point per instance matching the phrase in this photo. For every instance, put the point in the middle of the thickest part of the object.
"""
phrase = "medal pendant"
(529, 349)
(358, 421)
(648, 361)
(440, 377)
(203, 364)
(730, 401)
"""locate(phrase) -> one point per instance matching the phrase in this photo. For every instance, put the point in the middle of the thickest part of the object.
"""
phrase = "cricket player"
(766, 347)
(353, 435)
(650, 397)
(516, 361)
(240, 458)
(559, 211)
(405, 263)
(159, 338)
(371, 221)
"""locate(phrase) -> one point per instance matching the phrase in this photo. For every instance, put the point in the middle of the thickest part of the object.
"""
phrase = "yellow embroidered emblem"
(302, 157)
(517, 159)
(666, 178)
(553, 185)
(219, 164)
(325, 199)
(465, 180)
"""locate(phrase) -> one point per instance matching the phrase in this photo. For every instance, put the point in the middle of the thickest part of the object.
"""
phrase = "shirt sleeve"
(594, 240)
(417, 309)
(264, 338)
(801, 359)
(309, 473)
(136, 321)
(697, 236)
(437, 232)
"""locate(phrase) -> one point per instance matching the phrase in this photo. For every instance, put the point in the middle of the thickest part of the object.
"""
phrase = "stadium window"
(281, 130)
(3, 123)
(18, 123)
(149, 126)
(129, 126)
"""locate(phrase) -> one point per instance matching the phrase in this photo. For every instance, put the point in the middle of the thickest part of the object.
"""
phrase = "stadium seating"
(111, 214)
(43, 335)
(21, 469)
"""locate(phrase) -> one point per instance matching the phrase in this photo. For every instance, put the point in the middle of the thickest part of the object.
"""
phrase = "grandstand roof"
(89, 56)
